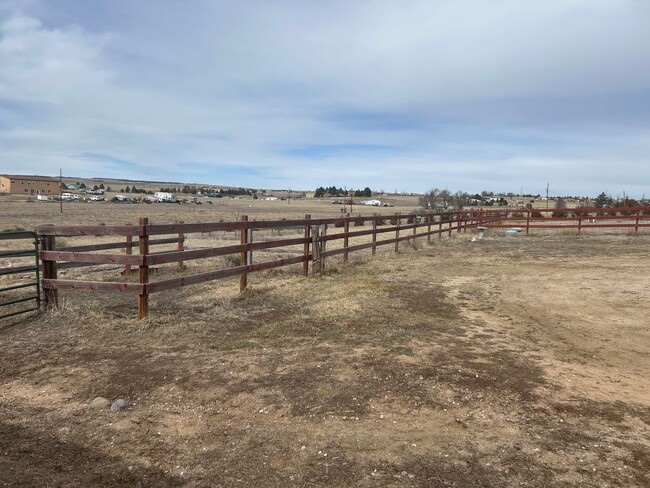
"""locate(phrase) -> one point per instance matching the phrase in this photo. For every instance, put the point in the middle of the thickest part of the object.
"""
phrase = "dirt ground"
(512, 361)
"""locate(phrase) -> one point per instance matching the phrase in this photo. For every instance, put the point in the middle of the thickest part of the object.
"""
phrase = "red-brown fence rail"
(311, 246)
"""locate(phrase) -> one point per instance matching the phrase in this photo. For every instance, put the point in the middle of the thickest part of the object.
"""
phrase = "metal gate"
(17, 278)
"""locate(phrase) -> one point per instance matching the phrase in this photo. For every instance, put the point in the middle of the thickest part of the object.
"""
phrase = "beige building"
(29, 185)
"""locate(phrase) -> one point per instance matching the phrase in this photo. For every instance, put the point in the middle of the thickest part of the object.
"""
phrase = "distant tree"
(95, 188)
(127, 190)
(436, 198)
(82, 186)
(101, 186)
(560, 203)
(459, 199)
(320, 192)
(602, 201)
(367, 192)
(108, 188)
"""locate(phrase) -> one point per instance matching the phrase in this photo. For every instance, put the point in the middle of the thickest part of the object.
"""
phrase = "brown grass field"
(511, 361)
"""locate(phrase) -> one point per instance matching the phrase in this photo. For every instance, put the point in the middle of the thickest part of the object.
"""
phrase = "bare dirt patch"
(506, 362)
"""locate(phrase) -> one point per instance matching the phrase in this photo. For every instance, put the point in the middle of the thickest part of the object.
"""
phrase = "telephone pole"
(60, 189)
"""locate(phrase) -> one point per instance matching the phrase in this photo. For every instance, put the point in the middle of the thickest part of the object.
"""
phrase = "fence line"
(314, 248)
(566, 218)
(314, 242)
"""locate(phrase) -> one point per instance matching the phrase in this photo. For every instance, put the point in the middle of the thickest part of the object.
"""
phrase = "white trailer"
(164, 196)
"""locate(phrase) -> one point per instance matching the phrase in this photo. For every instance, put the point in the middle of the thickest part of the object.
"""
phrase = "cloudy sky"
(392, 94)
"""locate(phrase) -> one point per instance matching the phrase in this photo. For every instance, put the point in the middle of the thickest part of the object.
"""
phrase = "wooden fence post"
(374, 233)
(143, 241)
(305, 265)
(579, 222)
(638, 217)
(315, 249)
(415, 227)
(128, 250)
(440, 228)
(399, 223)
(243, 237)
(527, 221)
(346, 241)
(429, 220)
(48, 243)
(451, 222)
(181, 247)
(323, 248)
(459, 217)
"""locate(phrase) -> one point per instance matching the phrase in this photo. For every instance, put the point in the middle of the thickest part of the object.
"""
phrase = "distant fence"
(583, 218)
(313, 242)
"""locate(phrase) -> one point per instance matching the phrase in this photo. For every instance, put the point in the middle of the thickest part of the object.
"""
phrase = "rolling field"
(511, 361)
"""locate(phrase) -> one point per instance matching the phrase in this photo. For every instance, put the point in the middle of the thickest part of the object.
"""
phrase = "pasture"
(511, 361)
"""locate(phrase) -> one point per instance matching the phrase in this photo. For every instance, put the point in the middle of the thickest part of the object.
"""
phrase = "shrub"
(232, 260)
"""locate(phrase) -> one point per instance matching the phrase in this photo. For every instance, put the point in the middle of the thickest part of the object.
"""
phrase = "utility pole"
(61, 189)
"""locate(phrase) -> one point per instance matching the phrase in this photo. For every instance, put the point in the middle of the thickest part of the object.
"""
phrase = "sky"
(396, 95)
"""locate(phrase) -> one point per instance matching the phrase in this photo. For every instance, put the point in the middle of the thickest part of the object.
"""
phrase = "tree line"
(340, 192)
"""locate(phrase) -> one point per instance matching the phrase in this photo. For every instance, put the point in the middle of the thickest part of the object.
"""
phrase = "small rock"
(119, 404)
(99, 402)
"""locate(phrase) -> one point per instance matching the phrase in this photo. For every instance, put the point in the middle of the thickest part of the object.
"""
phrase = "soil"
(511, 361)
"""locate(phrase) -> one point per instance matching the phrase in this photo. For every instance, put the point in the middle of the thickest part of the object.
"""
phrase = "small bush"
(359, 222)
(232, 260)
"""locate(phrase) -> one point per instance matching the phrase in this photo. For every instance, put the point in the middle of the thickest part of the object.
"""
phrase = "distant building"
(164, 196)
(374, 203)
(29, 185)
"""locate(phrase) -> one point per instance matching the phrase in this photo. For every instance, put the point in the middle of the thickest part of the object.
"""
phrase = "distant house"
(271, 198)
(29, 185)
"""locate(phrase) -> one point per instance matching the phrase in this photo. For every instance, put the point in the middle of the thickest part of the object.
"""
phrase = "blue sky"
(391, 94)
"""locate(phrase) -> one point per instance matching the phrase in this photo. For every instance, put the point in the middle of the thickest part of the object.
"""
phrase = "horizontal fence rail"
(23, 291)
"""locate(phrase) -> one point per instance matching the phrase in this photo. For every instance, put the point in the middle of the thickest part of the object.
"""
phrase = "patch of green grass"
(235, 345)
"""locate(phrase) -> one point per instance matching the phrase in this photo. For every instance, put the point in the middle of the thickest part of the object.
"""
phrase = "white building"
(373, 203)
(163, 196)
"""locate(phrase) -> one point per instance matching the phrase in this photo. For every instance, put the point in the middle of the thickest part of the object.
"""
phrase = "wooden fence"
(310, 247)
(582, 218)
(315, 234)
